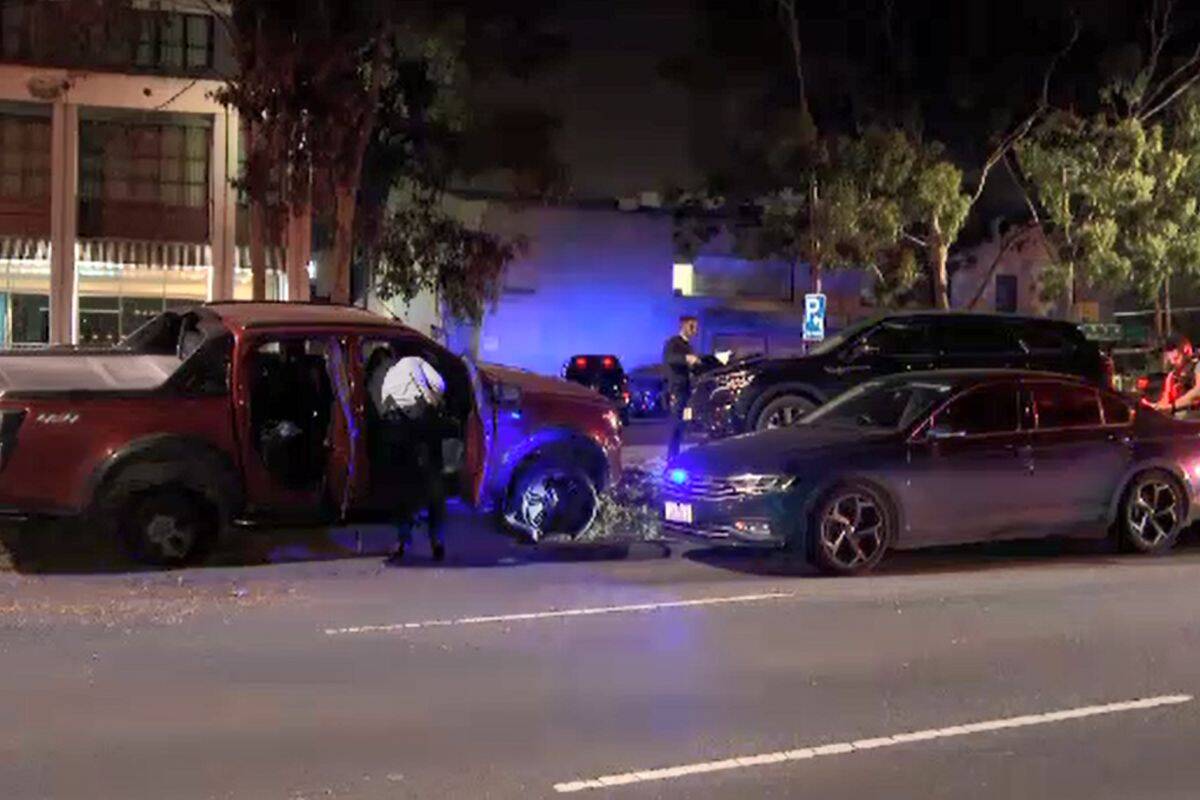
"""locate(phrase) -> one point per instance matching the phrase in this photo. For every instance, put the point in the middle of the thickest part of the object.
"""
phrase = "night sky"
(657, 93)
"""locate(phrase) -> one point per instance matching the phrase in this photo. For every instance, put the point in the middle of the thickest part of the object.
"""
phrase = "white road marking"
(842, 748)
(568, 612)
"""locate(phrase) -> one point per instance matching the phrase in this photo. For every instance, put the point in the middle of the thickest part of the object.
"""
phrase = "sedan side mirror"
(937, 432)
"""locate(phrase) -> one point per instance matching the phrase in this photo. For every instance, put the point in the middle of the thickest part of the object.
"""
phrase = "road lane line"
(566, 612)
(842, 748)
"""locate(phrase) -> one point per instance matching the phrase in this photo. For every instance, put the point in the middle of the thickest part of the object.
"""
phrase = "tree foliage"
(425, 249)
(1120, 197)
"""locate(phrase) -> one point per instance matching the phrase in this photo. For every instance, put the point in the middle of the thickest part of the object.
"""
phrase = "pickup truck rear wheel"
(168, 527)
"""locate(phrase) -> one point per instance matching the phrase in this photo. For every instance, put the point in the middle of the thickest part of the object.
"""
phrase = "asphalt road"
(299, 669)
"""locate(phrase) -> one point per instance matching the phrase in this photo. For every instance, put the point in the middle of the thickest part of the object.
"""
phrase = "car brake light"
(1143, 383)
(609, 362)
(581, 362)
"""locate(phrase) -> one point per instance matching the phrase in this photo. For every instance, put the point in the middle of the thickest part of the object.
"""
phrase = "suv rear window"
(976, 337)
(896, 337)
(1040, 338)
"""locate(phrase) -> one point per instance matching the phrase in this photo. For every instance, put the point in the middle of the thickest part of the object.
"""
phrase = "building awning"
(134, 254)
(142, 254)
(24, 248)
(276, 261)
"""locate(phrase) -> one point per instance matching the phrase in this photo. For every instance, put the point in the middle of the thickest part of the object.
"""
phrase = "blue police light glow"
(515, 414)
(678, 476)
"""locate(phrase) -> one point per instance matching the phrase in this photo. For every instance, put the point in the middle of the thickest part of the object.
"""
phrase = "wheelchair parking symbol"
(814, 317)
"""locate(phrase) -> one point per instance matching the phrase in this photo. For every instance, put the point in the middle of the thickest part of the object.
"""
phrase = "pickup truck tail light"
(10, 424)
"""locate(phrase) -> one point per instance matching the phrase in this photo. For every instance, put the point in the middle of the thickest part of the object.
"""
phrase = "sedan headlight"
(754, 485)
(733, 382)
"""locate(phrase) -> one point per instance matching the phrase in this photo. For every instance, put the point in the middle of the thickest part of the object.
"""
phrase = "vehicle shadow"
(980, 557)
(49, 548)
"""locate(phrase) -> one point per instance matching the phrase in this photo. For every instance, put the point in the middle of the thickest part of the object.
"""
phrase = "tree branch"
(787, 15)
(915, 239)
(1006, 144)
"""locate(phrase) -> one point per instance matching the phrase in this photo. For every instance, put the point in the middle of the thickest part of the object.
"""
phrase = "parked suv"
(603, 374)
(770, 393)
(260, 414)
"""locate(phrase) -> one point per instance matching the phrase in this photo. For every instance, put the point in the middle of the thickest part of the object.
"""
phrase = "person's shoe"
(439, 552)
(396, 558)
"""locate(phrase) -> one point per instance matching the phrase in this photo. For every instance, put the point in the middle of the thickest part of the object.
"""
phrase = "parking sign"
(814, 317)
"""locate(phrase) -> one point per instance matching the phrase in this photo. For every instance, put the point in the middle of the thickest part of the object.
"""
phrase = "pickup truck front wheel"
(549, 498)
(168, 527)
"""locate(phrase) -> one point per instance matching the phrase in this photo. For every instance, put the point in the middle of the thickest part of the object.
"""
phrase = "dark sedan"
(942, 458)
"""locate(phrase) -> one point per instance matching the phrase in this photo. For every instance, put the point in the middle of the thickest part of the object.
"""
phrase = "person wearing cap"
(1181, 389)
(408, 398)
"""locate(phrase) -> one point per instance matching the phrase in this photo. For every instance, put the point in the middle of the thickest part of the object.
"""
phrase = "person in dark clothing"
(410, 422)
(680, 361)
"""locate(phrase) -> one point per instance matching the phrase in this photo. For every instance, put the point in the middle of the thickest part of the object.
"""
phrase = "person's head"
(689, 326)
(1177, 350)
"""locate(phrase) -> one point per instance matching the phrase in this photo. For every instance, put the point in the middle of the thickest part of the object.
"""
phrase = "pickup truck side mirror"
(506, 395)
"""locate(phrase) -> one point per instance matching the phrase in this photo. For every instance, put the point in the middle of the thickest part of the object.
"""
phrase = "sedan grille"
(718, 489)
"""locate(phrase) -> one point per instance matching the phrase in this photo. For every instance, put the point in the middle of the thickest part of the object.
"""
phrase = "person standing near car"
(1181, 389)
(407, 396)
(680, 360)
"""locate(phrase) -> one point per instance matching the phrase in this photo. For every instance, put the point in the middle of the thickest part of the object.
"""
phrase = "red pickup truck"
(256, 413)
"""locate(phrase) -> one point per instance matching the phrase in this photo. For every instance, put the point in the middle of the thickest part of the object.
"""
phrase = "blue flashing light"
(678, 476)
(515, 414)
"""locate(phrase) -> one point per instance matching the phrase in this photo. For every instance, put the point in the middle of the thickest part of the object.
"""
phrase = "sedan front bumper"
(716, 514)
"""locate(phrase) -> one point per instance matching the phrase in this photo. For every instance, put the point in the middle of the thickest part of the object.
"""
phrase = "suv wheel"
(550, 499)
(1152, 513)
(168, 527)
(783, 412)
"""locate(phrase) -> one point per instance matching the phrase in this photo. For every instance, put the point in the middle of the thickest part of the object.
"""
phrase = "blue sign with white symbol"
(814, 317)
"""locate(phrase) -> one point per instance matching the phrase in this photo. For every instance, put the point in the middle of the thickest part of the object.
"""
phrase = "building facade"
(117, 173)
(596, 279)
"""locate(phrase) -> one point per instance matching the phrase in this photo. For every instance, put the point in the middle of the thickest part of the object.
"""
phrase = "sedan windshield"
(884, 405)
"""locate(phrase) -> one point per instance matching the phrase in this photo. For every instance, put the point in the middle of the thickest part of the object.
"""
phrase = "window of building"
(175, 41)
(164, 164)
(29, 316)
(1006, 293)
(14, 29)
(728, 277)
(24, 157)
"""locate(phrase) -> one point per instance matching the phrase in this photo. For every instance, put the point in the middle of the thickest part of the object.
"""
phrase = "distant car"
(603, 374)
(943, 458)
(756, 395)
(648, 391)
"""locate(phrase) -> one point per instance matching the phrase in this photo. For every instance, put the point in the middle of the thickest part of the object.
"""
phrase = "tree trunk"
(299, 252)
(343, 240)
(258, 249)
(818, 275)
(939, 255)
